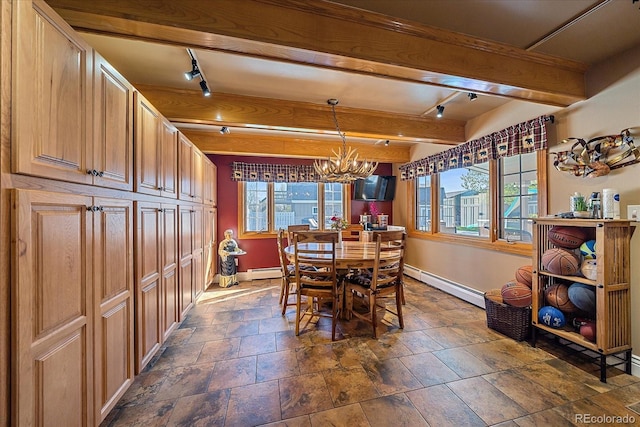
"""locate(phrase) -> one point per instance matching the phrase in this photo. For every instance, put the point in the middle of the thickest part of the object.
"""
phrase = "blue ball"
(551, 316)
(588, 249)
(584, 297)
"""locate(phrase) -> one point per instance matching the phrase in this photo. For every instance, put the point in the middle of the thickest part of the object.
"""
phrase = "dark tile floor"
(235, 361)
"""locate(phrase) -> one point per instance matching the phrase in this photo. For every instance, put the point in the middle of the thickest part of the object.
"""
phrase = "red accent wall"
(262, 253)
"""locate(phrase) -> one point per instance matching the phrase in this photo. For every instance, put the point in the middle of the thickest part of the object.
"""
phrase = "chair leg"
(399, 302)
(404, 302)
(282, 286)
(373, 315)
(285, 301)
(298, 298)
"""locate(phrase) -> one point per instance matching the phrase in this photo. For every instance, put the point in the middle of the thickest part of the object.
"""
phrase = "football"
(588, 331)
(494, 295)
(560, 261)
(566, 236)
(516, 294)
(551, 316)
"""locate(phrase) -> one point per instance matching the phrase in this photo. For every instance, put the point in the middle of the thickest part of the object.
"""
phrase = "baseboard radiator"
(463, 292)
(255, 274)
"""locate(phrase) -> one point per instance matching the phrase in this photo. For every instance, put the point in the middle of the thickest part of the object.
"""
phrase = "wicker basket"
(514, 322)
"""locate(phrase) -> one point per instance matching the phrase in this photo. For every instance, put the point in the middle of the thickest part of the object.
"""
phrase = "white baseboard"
(255, 274)
(635, 365)
(456, 289)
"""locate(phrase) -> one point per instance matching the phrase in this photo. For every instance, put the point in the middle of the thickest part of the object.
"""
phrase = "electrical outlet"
(633, 212)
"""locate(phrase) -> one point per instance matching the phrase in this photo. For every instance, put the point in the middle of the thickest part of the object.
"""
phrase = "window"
(518, 197)
(486, 203)
(268, 207)
(464, 201)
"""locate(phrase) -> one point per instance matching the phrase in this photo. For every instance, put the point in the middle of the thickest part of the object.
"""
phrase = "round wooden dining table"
(349, 254)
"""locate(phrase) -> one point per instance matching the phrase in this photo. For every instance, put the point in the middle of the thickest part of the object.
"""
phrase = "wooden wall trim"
(329, 35)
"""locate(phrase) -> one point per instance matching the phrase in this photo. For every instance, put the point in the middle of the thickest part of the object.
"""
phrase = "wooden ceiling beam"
(329, 35)
(273, 146)
(222, 109)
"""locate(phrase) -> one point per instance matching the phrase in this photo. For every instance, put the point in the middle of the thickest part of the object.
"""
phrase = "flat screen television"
(377, 188)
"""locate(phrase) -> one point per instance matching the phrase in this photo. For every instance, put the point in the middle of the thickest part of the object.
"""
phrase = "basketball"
(584, 297)
(558, 296)
(494, 295)
(551, 316)
(588, 249)
(589, 269)
(567, 237)
(516, 294)
(588, 331)
(523, 275)
(560, 261)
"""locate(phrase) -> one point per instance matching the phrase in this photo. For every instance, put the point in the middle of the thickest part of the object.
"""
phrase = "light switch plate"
(633, 212)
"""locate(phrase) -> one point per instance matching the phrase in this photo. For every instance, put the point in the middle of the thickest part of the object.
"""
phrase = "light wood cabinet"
(148, 289)
(156, 151)
(210, 247)
(112, 128)
(170, 291)
(191, 171)
(52, 309)
(209, 183)
(114, 308)
(52, 70)
(612, 287)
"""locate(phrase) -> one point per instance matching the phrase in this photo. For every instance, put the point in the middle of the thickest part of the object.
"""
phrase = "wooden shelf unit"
(612, 286)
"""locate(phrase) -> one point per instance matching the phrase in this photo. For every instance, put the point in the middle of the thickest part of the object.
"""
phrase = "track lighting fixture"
(204, 87)
(195, 71)
(224, 130)
(440, 109)
(472, 96)
(386, 143)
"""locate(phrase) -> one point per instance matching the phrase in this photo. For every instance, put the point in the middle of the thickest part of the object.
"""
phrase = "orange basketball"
(560, 261)
(558, 296)
(524, 275)
(516, 294)
(494, 295)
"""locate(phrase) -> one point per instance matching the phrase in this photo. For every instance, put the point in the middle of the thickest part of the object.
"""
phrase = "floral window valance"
(517, 139)
(273, 172)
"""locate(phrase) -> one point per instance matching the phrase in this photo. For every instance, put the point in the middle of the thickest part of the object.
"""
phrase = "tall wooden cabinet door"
(209, 248)
(209, 183)
(52, 68)
(148, 292)
(187, 291)
(169, 262)
(52, 309)
(185, 156)
(148, 122)
(114, 312)
(197, 165)
(198, 250)
(169, 168)
(113, 127)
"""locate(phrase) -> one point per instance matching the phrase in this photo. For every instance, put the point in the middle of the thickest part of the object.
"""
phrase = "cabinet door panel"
(52, 76)
(197, 175)
(113, 273)
(186, 168)
(169, 263)
(52, 309)
(169, 168)
(147, 288)
(113, 127)
(148, 134)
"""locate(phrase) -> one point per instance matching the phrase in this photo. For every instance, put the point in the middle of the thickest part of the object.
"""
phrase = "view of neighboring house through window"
(464, 201)
(269, 206)
(518, 197)
(423, 203)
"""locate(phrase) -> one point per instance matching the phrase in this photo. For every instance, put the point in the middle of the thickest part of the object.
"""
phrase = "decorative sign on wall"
(600, 155)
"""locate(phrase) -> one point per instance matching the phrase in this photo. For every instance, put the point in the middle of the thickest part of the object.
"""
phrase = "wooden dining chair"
(293, 228)
(384, 280)
(287, 287)
(352, 232)
(316, 276)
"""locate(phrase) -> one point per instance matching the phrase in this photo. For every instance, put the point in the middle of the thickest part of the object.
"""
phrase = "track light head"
(195, 71)
(224, 130)
(386, 143)
(205, 88)
(440, 109)
(472, 96)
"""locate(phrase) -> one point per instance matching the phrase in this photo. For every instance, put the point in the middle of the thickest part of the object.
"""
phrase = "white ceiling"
(587, 31)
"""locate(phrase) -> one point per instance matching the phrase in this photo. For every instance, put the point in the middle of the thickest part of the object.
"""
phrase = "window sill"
(514, 248)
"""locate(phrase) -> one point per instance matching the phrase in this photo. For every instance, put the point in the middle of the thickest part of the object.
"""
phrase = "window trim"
(271, 234)
(492, 242)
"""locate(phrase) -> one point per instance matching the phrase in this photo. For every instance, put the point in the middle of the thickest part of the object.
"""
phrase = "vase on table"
(339, 243)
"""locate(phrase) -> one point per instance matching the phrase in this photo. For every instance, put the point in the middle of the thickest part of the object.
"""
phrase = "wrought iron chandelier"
(345, 166)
